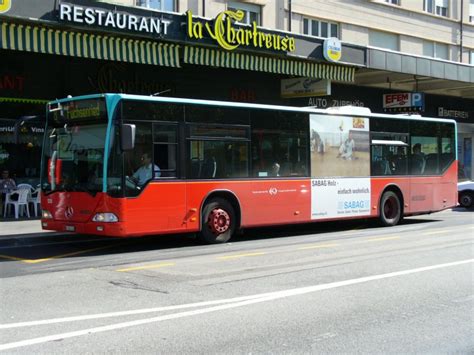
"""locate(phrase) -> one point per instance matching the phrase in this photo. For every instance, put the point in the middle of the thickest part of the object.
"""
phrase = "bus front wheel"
(218, 222)
(390, 209)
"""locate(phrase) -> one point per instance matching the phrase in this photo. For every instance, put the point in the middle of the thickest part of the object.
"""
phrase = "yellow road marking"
(154, 266)
(238, 256)
(36, 261)
(319, 246)
(381, 239)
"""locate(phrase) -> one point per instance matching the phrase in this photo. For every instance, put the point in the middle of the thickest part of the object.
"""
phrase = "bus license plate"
(70, 228)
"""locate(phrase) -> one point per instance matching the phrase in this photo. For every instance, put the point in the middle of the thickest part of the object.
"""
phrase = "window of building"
(471, 11)
(436, 50)
(253, 13)
(471, 57)
(162, 5)
(393, 2)
(383, 40)
(437, 7)
(320, 28)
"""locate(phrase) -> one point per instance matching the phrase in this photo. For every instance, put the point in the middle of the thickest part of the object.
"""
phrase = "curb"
(32, 235)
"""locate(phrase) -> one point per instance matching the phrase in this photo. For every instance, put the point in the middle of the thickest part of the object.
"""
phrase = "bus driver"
(144, 172)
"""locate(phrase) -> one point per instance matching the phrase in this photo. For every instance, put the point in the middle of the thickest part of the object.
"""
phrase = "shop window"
(20, 148)
(253, 13)
(384, 40)
(319, 28)
(437, 7)
(162, 5)
(471, 57)
(436, 50)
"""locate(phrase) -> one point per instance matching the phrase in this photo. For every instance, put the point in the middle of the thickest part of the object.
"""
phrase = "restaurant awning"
(40, 39)
(21, 100)
(217, 58)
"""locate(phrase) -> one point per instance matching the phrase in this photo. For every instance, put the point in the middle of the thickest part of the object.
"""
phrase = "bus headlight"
(46, 215)
(105, 217)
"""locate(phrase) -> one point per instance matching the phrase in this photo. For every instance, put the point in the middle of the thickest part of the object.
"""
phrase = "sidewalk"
(17, 228)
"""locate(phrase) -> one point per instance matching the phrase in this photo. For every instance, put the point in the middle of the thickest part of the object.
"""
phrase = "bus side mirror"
(127, 134)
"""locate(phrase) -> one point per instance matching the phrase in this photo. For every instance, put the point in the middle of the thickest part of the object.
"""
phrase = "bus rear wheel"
(390, 209)
(466, 199)
(218, 222)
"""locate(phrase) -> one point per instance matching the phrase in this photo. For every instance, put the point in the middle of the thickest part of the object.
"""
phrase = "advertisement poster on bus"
(340, 166)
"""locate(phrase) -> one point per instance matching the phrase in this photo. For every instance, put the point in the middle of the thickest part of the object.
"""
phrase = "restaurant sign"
(113, 19)
(230, 37)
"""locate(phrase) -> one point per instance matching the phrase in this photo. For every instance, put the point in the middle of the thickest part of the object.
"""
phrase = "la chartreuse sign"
(229, 37)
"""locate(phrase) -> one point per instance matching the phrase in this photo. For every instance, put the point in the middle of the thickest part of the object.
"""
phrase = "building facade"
(390, 56)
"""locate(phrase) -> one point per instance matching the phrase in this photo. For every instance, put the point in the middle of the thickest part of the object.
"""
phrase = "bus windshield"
(73, 154)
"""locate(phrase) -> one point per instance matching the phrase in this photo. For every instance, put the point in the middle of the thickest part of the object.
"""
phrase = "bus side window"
(138, 159)
(282, 138)
(165, 149)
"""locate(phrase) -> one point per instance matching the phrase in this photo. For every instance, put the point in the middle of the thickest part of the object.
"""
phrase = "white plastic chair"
(24, 186)
(35, 199)
(18, 204)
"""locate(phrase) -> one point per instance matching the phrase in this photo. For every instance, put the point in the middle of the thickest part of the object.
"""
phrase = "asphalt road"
(332, 287)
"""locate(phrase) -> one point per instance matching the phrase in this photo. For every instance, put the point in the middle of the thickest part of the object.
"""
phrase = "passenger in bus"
(418, 161)
(144, 172)
(275, 171)
(346, 150)
(209, 166)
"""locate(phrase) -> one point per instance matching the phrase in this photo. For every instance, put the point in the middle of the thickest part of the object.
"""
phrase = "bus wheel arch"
(220, 217)
(391, 205)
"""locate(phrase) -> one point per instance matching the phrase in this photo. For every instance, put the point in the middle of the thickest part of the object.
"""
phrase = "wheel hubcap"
(466, 200)
(390, 209)
(219, 221)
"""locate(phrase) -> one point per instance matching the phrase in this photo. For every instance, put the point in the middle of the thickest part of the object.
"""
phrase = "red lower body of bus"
(176, 206)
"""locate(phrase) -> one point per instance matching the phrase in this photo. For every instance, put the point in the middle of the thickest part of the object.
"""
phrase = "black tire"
(390, 209)
(466, 199)
(218, 222)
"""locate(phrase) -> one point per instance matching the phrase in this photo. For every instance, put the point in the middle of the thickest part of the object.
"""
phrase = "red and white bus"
(128, 165)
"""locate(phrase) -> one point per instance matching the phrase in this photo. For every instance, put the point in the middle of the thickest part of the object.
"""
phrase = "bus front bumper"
(115, 229)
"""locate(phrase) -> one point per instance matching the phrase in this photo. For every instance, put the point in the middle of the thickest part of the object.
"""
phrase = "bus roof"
(332, 111)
